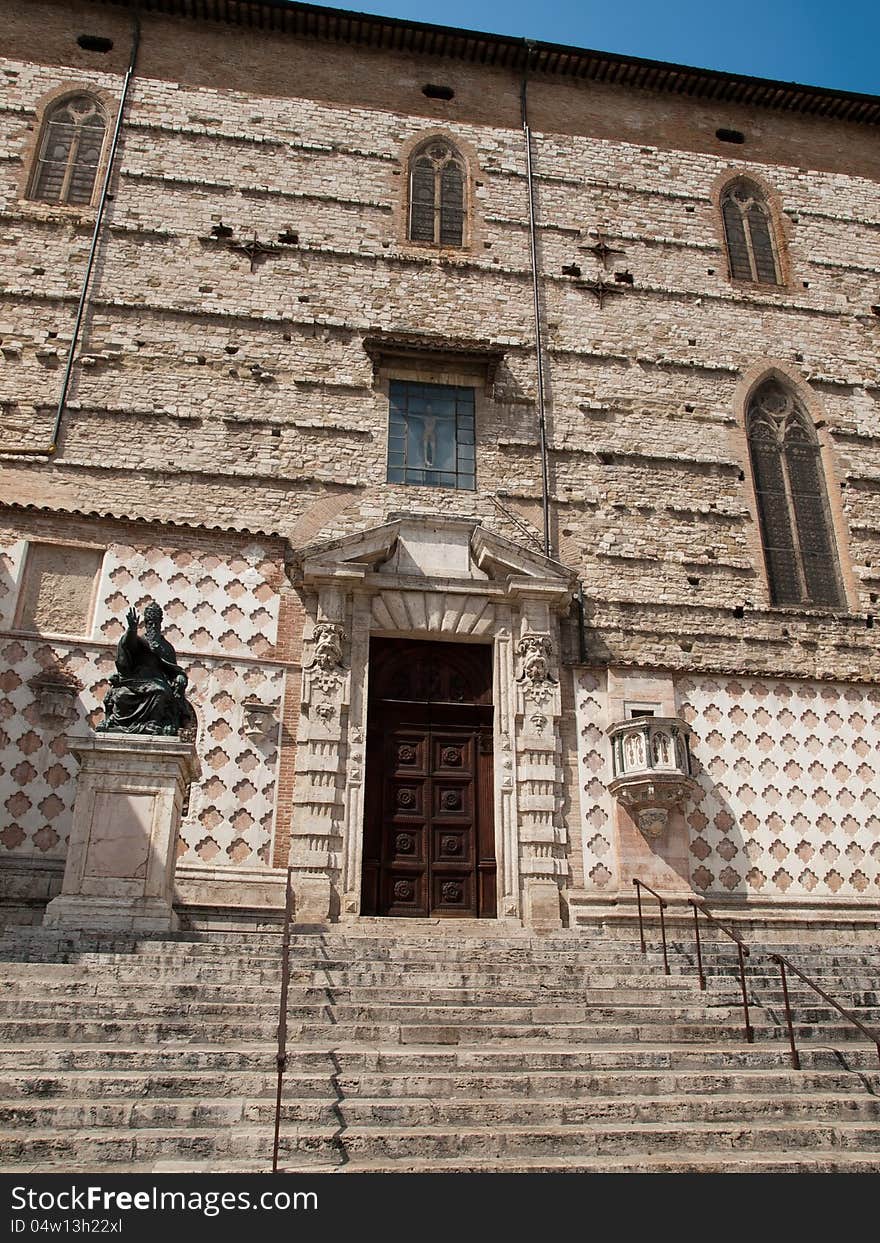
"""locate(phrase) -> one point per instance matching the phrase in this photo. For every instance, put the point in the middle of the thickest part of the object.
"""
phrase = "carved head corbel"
(534, 652)
(327, 641)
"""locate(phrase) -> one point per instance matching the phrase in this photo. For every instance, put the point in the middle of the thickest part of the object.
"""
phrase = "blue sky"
(818, 42)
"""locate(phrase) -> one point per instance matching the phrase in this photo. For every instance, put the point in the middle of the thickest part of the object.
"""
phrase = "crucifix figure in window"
(431, 434)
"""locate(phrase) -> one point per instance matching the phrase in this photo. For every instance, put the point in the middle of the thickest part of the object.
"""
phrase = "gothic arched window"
(437, 185)
(752, 253)
(799, 548)
(69, 152)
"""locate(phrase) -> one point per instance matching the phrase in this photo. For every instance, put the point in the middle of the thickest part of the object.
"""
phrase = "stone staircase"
(423, 1047)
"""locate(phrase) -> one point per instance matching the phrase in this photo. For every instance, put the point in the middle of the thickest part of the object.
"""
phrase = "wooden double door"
(429, 837)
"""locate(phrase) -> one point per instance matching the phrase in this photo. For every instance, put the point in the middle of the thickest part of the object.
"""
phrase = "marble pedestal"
(119, 872)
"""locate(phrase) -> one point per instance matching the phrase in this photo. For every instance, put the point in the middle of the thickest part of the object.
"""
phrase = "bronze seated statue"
(147, 693)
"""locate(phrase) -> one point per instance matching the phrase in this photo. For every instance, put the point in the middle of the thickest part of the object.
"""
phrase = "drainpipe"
(93, 250)
(539, 346)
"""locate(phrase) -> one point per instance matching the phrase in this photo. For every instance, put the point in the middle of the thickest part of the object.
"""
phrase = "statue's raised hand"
(133, 620)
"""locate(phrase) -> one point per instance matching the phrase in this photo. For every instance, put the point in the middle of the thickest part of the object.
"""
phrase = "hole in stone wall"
(571, 269)
(95, 43)
(739, 611)
(730, 135)
(433, 91)
(693, 580)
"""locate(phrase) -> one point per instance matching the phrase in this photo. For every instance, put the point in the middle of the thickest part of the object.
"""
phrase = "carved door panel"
(429, 842)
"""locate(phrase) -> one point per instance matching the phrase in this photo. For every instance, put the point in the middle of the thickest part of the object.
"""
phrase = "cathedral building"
(496, 425)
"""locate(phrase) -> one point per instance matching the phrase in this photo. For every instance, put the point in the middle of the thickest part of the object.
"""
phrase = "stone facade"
(223, 449)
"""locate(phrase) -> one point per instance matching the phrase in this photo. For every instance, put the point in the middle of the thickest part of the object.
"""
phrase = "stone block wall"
(210, 389)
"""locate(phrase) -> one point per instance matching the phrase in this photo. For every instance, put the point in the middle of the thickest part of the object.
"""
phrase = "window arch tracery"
(69, 151)
(752, 245)
(437, 194)
(795, 521)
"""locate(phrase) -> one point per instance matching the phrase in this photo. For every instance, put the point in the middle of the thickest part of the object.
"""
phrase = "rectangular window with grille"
(431, 435)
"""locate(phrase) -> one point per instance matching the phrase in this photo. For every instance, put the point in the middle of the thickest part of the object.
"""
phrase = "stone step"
(219, 1033)
(151, 1030)
(21, 1000)
(415, 1011)
(583, 1139)
(304, 1145)
(443, 946)
(413, 1059)
(103, 1149)
(729, 1162)
(425, 1048)
(148, 1083)
(362, 1111)
(436, 1085)
(580, 956)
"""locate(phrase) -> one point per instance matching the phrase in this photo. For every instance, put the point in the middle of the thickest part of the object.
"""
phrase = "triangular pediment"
(430, 546)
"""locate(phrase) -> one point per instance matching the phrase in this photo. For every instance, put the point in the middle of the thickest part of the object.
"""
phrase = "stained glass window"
(796, 531)
(70, 152)
(437, 195)
(751, 253)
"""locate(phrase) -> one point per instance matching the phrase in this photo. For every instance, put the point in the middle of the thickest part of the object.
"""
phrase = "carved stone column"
(506, 818)
(357, 744)
(539, 776)
(319, 794)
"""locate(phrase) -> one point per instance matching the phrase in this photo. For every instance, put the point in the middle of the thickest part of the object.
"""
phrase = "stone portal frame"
(420, 576)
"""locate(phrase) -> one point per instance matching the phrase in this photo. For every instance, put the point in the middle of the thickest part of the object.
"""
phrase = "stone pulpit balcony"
(653, 769)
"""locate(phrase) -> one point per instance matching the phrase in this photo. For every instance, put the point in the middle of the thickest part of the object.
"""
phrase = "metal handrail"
(795, 1059)
(742, 953)
(640, 885)
(281, 1054)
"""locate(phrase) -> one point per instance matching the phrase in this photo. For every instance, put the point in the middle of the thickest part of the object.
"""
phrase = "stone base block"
(312, 898)
(108, 915)
(119, 871)
(542, 906)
